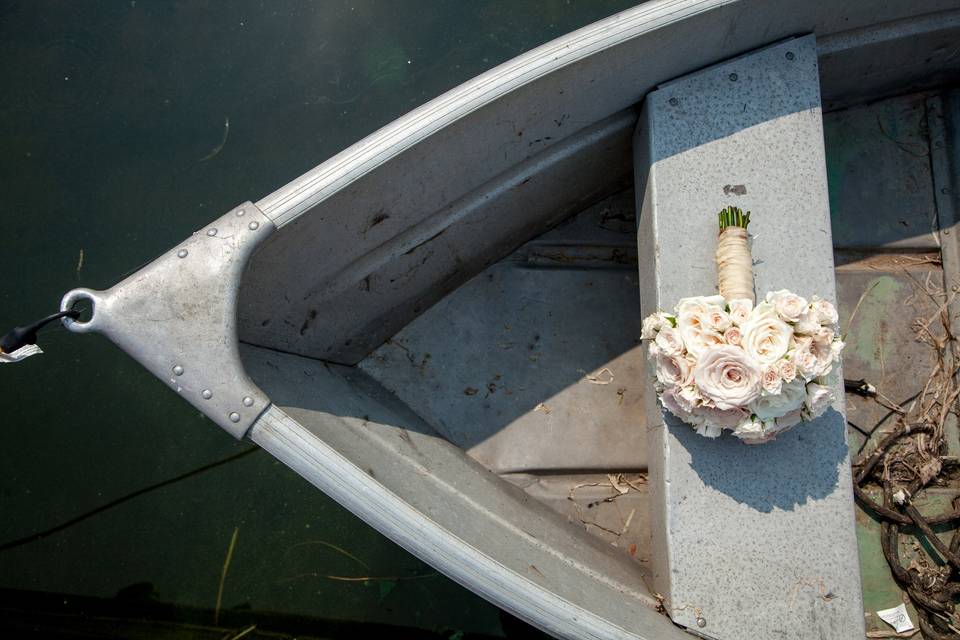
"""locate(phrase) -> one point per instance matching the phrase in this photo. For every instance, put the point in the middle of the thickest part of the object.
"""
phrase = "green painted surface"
(863, 336)
(879, 589)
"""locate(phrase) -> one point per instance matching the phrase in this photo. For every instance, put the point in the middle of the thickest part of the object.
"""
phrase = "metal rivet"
(701, 622)
(207, 394)
(674, 102)
(178, 370)
(240, 212)
(247, 401)
(733, 77)
(234, 417)
(211, 232)
(182, 253)
(253, 226)
(790, 55)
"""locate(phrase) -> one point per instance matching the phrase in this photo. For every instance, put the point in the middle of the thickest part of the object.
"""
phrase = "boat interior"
(462, 321)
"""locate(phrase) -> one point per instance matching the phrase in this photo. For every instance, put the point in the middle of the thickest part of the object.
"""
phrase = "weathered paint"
(879, 589)
(863, 335)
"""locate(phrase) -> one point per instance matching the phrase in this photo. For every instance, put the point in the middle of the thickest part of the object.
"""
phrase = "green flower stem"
(733, 217)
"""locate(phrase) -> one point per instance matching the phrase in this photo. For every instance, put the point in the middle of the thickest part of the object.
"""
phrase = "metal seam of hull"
(286, 204)
(288, 441)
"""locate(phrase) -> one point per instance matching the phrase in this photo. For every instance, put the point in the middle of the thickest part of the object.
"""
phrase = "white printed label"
(897, 618)
(20, 354)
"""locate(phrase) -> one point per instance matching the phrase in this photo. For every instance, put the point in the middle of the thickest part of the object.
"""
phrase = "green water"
(112, 117)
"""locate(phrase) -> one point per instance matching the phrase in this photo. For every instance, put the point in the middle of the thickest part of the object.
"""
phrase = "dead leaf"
(604, 376)
(616, 481)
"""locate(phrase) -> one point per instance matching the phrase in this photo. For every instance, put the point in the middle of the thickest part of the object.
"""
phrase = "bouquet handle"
(734, 262)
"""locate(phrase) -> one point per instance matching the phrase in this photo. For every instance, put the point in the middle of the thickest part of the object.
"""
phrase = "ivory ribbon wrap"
(734, 264)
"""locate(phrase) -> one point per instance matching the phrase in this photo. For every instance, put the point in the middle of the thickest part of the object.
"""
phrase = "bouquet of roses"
(723, 362)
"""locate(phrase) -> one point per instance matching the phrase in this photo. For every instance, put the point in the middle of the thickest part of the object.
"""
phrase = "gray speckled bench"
(748, 541)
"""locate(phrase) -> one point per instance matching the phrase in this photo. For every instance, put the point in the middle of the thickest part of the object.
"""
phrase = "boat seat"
(747, 541)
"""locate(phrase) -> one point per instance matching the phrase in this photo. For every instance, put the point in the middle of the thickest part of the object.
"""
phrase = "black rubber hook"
(860, 387)
(22, 336)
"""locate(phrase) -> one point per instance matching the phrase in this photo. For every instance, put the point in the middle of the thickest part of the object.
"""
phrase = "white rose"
(669, 341)
(749, 428)
(824, 336)
(654, 323)
(672, 370)
(708, 339)
(740, 309)
(822, 348)
(789, 399)
(806, 361)
(788, 370)
(831, 380)
(723, 418)
(765, 336)
(835, 348)
(669, 400)
(770, 379)
(652, 350)
(688, 398)
(763, 310)
(727, 377)
(692, 323)
(789, 420)
(717, 319)
(807, 323)
(825, 312)
(709, 430)
(733, 336)
(790, 306)
(818, 399)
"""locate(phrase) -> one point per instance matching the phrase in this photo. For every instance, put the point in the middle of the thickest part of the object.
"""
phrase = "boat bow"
(178, 317)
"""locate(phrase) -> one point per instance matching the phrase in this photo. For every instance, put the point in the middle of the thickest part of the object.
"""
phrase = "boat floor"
(534, 367)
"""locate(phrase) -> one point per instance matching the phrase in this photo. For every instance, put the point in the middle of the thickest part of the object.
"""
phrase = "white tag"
(20, 354)
(897, 618)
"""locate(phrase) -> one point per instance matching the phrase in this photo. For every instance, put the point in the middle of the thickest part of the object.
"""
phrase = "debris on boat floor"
(610, 506)
(904, 467)
(604, 376)
(615, 486)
